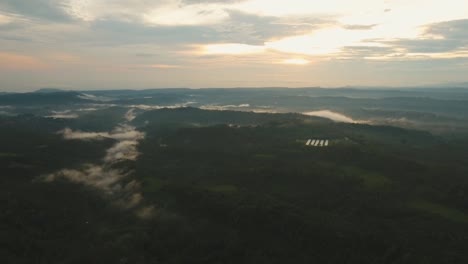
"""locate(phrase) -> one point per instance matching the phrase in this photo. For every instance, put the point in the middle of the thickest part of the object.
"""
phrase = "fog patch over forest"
(121, 132)
(337, 117)
(112, 181)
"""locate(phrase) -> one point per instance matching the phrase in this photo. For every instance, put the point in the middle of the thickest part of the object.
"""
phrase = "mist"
(105, 177)
(337, 117)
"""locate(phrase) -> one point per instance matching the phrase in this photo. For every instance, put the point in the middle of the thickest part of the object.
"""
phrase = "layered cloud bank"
(174, 43)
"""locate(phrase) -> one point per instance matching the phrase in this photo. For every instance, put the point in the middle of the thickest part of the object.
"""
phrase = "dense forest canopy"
(109, 181)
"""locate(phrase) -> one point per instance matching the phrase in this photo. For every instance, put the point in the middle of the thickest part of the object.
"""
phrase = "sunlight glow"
(197, 14)
(232, 48)
(322, 42)
(296, 61)
(5, 19)
(302, 7)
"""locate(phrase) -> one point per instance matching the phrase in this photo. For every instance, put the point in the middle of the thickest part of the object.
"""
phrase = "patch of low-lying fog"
(146, 107)
(98, 176)
(334, 116)
(223, 107)
(62, 116)
(123, 150)
(89, 109)
(106, 177)
(240, 107)
(121, 132)
(92, 97)
(265, 111)
(130, 115)
(65, 114)
(72, 113)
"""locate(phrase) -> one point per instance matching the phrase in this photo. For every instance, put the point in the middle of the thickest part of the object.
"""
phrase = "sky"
(137, 44)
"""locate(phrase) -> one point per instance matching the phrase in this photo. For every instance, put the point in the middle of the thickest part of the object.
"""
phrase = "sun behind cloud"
(296, 61)
(232, 48)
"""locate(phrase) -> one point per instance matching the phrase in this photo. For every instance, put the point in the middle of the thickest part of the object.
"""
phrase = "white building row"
(317, 142)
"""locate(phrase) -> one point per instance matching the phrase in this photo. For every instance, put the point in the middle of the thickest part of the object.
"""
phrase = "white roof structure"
(318, 142)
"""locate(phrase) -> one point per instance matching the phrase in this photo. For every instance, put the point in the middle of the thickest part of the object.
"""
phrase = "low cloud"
(156, 107)
(66, 114)
(123, 150)
(224, 107)
(105, 176)
(130, 115)
(90, 109)
(70, 134)
(122, 132)
(63, 116)
(337, 117)
(97, 176)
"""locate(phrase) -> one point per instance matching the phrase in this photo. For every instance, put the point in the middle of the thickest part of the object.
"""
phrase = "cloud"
(224, 107)
(439, 37)
(111, 182)
(5, 19)
(193, 14)
(354, 52)
(359, 27)
(105, 177)
(92, 43)
(89, 109)
(256, 30)
(455, 29)
(337, 117)
(232, 49)
(63, 116)
(165, 12)
(123, 150)
(337, 8)
(155, 107)
(70, 134)
(191, 2)
(122, 132)
(100, 177)
(127, 10)
(66, 114)
(43, 9)
(296, 61)
(115, 32)
(130, 115)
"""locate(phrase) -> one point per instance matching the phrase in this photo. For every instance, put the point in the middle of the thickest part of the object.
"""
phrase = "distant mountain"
(196, 116)
(49, 90)
(40, 98)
